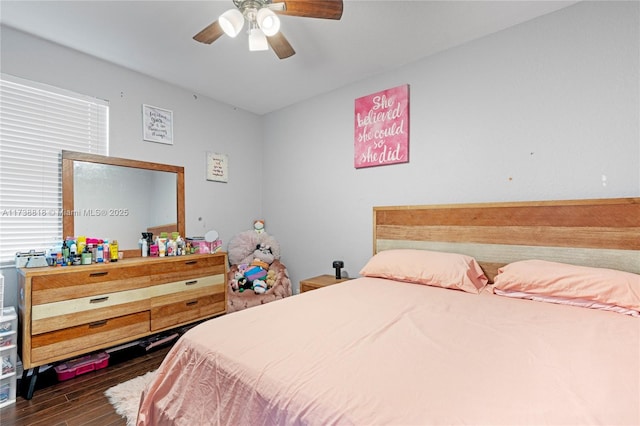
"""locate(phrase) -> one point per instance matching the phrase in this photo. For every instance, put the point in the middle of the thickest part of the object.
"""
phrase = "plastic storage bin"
(8, 339)
(201, 246)
(8, 355)
(75, 367)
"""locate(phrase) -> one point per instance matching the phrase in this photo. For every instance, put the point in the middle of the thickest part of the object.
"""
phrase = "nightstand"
(319, 282)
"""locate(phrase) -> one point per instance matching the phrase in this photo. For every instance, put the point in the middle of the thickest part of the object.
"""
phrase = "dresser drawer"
(186, 267)
(188, 263)
(89, 281)
(187, 285)
(68, 313)
(85, 338)
(189, 310)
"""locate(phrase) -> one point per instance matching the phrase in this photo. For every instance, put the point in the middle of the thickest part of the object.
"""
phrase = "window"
(37, 122)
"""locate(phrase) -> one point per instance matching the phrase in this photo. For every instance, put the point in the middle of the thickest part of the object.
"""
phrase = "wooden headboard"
(168, 228)
(602, 233)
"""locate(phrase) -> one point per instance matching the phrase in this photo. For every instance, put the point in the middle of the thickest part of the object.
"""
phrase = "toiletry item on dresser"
(162, 246)
(144, 248)
(85, 256)
(106, 251)
(148, 236)
(81, 243)
(113, 248)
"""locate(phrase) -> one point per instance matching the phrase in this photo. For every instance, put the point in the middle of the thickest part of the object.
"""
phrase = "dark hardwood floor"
(81, 400)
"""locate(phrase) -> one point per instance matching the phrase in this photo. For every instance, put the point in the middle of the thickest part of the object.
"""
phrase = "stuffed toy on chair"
(248, 245)
(254, 256)
(263, 253)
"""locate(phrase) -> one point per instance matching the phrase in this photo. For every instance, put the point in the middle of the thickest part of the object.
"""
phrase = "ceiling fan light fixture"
(231, 22)
(268, 21)
(257, 40)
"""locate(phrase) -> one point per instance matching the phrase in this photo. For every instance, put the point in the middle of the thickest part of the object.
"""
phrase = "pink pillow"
(582, 303)
(448, 270)
(607, 286)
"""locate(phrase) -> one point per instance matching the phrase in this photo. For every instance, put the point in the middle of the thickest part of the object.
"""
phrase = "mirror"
(118, 199)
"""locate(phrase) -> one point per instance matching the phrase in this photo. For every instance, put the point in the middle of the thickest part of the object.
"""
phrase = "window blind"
(37, 122)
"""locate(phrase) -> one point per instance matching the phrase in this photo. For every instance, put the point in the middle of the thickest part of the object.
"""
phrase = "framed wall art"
(217, 167)
(157, 124)
(381, 125)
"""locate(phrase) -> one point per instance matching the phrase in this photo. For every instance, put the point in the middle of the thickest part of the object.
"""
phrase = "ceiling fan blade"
(209, 34)
(281, 46)
(326, 9)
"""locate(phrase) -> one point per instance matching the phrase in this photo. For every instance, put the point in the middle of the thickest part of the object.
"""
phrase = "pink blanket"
(373, 351)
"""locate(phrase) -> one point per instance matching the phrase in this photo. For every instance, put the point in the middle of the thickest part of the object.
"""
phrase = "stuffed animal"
(243, 284)
(263, 253)
(258, 226)
(242, 248)
(259, 286)
(260, 263)
(235, 282)
(271, 278)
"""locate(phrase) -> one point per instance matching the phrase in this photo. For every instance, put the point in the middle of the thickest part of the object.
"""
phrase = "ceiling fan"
(264, 24)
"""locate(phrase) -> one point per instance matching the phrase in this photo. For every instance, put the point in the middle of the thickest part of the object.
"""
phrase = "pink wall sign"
(382, 128)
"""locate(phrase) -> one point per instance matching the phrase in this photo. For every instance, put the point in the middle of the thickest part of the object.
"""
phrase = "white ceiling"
(155, 38)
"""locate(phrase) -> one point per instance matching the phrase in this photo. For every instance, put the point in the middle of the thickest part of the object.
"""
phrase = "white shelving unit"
(8, 355)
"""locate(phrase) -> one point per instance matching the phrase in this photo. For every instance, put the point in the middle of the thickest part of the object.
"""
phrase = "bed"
(420, 339)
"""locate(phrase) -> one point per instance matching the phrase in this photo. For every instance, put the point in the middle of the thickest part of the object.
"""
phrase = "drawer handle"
(191, 262)
(191, 282)
(99, 299)
(192, 303)
(98, 324)
(98, 274)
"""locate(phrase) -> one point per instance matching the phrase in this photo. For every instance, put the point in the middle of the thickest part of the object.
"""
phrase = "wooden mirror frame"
(68, 160)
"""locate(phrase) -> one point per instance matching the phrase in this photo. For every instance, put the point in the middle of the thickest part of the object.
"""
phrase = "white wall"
(544, 110)
(200, 124)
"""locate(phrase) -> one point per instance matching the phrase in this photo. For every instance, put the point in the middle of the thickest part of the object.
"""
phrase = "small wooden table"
(319, 282)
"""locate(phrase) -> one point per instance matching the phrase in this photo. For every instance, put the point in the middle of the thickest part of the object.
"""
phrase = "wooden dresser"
(69, 311)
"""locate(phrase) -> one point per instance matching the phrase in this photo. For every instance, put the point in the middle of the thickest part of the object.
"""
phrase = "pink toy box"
(70, 369)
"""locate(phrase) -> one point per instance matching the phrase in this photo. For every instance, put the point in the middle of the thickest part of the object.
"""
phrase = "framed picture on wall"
(217, 167)
(157, 124)
(381, 124)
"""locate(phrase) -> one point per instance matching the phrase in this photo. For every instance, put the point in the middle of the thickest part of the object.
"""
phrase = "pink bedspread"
(372, 351)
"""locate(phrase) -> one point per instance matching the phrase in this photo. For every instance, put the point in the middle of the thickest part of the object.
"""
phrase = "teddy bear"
(270, 278)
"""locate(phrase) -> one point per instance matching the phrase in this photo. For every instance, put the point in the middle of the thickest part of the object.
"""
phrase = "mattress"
(373, 351)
